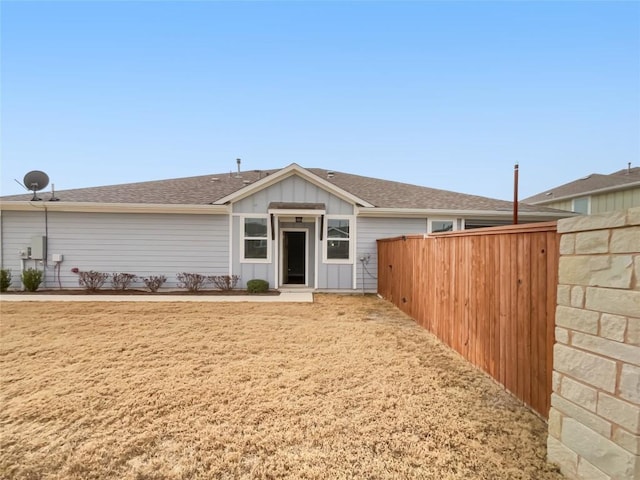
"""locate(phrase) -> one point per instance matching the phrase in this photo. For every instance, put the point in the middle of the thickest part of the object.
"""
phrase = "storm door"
(294, 257)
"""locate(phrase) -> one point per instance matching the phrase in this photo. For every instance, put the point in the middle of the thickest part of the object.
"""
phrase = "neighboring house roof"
(591, 184)
(220, 188)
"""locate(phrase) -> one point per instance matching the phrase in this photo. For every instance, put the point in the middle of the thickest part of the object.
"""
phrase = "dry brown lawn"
(345, 388)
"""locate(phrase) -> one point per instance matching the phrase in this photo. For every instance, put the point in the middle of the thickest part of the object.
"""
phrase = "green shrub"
(257, 286)
(31, 279)
(5, 280)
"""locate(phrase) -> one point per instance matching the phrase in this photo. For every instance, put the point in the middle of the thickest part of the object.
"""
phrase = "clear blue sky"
(442, 94)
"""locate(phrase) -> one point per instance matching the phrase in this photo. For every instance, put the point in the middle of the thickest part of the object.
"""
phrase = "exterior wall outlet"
(56, 257)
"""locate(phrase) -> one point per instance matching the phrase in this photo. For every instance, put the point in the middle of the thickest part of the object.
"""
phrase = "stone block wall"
(594, 421)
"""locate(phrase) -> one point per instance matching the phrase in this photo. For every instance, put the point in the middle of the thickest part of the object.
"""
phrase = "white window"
(338, 240)
(255, 246)
(581, 205)
(442, 225)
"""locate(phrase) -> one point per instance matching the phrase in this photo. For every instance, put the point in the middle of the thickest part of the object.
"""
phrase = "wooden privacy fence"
(488, 293)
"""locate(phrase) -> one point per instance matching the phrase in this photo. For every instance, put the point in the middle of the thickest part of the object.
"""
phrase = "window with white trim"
(338, 239)
(255, 239)
(437, 226)
(581, 205)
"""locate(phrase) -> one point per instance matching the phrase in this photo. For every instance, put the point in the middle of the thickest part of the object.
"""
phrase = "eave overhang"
(92, 207)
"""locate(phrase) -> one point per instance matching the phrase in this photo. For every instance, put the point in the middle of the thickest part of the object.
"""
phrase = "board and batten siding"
(292, 189)
(608, 202)
(142, 244)
(372, 229)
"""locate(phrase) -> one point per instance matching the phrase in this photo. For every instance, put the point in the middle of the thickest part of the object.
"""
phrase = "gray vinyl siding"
(292, 189)
(621, 200)
(371, 229)
(143, 244)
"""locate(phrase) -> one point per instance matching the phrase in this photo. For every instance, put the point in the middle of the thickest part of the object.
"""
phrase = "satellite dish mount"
(35, 181)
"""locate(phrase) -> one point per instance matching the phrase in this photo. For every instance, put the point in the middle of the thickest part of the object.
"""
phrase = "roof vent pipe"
(629, 168)
(238, 161)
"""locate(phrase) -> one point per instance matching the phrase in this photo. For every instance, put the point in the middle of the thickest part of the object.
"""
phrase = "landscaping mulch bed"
(132, 291)
(347, 387)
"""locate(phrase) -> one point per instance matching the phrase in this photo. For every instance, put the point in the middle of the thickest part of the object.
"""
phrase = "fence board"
(489, 293)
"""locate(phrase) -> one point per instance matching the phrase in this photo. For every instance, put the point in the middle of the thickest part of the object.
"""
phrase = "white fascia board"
(626, 186)
(286, 172)
(115, 207)
(430, 212)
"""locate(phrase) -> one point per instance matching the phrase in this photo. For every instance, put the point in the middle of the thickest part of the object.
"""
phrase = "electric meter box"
(38, 247)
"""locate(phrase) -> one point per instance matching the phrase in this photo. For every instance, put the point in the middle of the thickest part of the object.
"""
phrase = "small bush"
(5, 280)
(191, 281)
(122, 281)
(225, 282)
(31, 279)
(257, 286)
(154, 282)
(92, 280)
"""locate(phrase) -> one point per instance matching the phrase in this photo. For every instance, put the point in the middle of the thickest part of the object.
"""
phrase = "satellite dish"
(35, 181)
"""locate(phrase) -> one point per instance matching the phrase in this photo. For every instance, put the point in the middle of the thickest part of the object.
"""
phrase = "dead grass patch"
(347, 387)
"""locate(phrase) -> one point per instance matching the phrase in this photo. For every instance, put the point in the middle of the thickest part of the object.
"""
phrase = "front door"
(294, 256)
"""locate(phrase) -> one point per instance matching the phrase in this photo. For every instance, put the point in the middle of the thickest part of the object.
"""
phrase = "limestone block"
(579, 393)
(562, 335)
(564, 295)
(597, 450)
(633, 331)
(626, 440)
(618, 411)
(633, 216)
(556, 381)
(625, 240)
(562, 456)
(568, 244)
(636, 269)
(608, 348)
(630, 384)
(586, 367)
(555, 423)
(577, 297)
(593, 242)
(571, 410)
(613, 327)
(618, 274)
(586, 471)
(576, 269)
(584, 223)
(577, 319)
(608, 300)
(613, 271)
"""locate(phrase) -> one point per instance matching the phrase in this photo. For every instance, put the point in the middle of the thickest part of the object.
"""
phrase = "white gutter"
(92, 207)
(431, 212)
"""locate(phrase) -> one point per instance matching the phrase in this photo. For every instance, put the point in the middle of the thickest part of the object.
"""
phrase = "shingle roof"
(207, 189)
(588, 184)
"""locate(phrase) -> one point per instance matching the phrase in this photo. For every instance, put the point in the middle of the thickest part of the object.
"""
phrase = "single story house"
(294, 227)
(594, 193)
